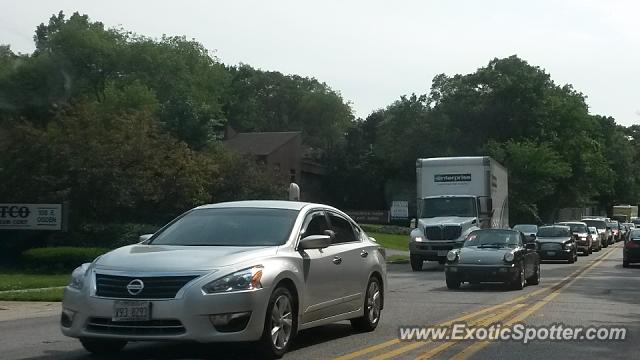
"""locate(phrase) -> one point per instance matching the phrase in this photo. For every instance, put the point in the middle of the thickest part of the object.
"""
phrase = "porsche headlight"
(247, 279)
(452, 255)
(508, 257)
(77, 276)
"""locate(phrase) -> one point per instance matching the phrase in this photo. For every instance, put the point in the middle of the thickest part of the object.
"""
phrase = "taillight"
(632, 244)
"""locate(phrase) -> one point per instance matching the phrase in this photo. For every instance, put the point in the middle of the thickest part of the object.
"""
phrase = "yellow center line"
(389, 343)
(486, 320)
(474, 348)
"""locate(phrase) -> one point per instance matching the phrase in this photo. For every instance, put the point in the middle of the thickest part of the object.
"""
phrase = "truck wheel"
(625, 264)
(416, 263)
(452, 283)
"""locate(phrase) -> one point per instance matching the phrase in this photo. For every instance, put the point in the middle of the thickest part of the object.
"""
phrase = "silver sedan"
(239, 271)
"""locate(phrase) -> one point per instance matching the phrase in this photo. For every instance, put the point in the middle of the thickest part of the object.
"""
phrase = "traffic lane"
(413, 298)
(608, 295)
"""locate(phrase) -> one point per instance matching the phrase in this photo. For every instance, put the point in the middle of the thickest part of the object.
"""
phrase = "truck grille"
(151, 327)
(446, 232)
(156, 287)
(550, 246)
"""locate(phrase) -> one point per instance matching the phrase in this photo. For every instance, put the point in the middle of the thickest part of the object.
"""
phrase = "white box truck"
(456, 195)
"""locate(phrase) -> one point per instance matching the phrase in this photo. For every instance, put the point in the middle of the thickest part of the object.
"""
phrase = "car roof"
(572, 223)
(556, 225)
(270, 204)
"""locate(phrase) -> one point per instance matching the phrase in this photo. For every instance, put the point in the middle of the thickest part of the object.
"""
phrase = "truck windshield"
(450, 206)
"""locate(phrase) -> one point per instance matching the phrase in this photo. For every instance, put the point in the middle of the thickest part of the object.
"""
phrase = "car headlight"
(418, 239)
(508, 257)
(247, 279)
(568, 245)
(77, 276)
(452, 255)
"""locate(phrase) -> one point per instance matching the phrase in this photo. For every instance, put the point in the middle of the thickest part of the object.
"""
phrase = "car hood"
(482, 256)
(553, 239)
(180, 258)
(445, 220)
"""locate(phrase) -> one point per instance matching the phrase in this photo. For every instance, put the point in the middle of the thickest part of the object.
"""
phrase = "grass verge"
(33, 295)
(391, 241)
(18, 281)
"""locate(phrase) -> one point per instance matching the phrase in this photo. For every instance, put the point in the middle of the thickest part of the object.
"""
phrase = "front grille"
(550, 246)
(150, 327)
(156, 287)
(446, 232)
(433, 232)
(451, 232)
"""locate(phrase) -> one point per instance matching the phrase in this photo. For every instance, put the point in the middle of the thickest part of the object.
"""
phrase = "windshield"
(229, 227)
(450, 206)
(493, 238)
(634, 235)
(613, 224)
(599, 224)
(554, 231)
(576, 228)
(526, 228)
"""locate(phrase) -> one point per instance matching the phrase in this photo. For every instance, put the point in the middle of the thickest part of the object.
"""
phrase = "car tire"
(373, 301)
(625, 264)
(102, 346)
(416, 263)
(535, 278)
(452, 283)
(280, 314)
(519, 283)
(571, 259)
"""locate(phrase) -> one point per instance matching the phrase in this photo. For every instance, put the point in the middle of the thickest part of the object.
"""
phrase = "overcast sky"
(374, 51)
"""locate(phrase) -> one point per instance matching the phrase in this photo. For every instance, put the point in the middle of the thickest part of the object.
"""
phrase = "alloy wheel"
(374, 302)
(281, 322)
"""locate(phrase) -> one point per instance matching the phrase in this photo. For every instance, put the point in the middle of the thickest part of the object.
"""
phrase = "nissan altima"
(239, 271)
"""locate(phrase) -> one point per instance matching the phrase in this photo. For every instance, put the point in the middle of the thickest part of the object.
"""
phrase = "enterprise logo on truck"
(446, 178)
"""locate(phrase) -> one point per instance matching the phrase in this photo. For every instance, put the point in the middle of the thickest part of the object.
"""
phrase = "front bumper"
(433, 250)
(482, 273)
(181, 319)
(564, 254)
(631, 255)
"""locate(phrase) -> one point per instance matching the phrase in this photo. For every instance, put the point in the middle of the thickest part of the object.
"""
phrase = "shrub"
(386, 229)
(59, 259)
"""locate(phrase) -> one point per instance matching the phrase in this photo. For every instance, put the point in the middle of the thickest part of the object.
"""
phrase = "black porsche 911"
(494, 255)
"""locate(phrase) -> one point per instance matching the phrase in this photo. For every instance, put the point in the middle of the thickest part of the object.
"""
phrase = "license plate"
(551, 253)
(443, 252)
(131, 311)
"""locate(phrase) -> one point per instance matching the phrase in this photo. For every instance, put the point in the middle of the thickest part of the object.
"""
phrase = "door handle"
(364, 253)
(337, 260)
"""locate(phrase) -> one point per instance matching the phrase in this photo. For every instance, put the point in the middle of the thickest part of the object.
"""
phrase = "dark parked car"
(494, 255)
(631, 252)
(557, 243)
(580, 232)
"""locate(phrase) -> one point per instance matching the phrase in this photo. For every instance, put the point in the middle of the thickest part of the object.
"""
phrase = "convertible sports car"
(494, 255)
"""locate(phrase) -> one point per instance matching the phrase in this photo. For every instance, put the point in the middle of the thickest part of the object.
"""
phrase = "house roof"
(259, 143)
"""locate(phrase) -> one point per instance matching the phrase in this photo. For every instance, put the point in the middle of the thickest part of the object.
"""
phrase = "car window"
(493, 237)
(554, 231)
(315, 224)
(342, 228)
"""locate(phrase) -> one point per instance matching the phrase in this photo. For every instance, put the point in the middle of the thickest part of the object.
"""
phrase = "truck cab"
(455, 196)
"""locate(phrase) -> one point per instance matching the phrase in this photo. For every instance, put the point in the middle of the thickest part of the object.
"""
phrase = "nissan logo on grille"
(134, 287)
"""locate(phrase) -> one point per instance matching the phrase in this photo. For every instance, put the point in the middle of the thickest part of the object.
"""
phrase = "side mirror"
(533, 236)
(530, 246)
(144, 238)
(413, 224)
(314, 242)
